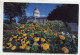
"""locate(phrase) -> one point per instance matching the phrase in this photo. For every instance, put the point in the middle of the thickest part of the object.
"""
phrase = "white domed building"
(36, 12)
(36, 17)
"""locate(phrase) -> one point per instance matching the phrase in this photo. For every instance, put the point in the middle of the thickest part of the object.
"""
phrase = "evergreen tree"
(66, 12)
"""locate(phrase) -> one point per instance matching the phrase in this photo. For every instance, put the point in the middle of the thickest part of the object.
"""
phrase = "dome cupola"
(36, 12)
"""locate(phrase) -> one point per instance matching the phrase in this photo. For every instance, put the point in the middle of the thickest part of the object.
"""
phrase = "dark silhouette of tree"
(12, 10)
(66, 12)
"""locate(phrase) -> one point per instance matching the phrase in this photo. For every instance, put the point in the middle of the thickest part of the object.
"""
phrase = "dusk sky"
(44, 8)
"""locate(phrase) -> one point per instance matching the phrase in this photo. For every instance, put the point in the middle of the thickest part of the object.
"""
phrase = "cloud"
(27, 14)
(43, 15)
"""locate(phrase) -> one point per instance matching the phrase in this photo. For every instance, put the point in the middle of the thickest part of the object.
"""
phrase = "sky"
(44, 8)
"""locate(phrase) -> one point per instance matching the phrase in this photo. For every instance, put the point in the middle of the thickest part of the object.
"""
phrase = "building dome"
(36, 12)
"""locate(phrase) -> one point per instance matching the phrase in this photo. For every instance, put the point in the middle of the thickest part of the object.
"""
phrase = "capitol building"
(36, 17)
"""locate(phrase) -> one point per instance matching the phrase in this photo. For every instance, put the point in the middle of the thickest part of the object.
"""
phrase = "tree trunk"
(10, 20)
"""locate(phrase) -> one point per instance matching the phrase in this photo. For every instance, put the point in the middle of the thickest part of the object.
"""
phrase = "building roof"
(37, 18)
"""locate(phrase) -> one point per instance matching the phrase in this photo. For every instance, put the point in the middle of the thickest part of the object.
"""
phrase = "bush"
(7, 21)
(58, 25)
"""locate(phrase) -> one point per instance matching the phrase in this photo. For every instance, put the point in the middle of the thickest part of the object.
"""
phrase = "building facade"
(36, 17)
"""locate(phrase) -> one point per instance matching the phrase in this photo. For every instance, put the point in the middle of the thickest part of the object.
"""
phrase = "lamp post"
(35, 19)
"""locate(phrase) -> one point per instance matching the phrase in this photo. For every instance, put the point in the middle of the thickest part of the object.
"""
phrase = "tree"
(22, 20)
(66, 12)
(12, 10)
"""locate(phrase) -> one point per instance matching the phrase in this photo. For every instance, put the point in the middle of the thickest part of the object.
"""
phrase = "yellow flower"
(22, 47)
(14, 36)
(22, 27)
(9, 45)
(19, 37)
(24, 34)
(16, 40)
(25, 38)
(13, 48)
(49, 40)
(31, 36)
(42, 39)
(61, 37)
(36, 39)
(3, 47)
(39, 31)
(65, 50)
(23, 42)
(45, 31)
(51, 30)
(35, 43)
(10, 39)
(28, 42)
(22, 30)
(27, 30)
(32, 33)
(42, 45)
(45, 46)
(59, 32)
(55, 34)
(28, 48)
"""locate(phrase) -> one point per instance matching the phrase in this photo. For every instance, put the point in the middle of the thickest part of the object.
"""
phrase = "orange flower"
(14, 36)
(61, 37)
(22, 47)
(45, 46)
(28, 48)
(45, 31)
(9, 45)
(25, 38)
(42, 39)
(3, 47)
(31, 36)
(32, 33)
(35, 43)
(24, 34)
(36, 39)
(65, 50)
(55, 34)
(13, 48)
(19, 37)
(59, 32)
(10, 39)
(28, 42)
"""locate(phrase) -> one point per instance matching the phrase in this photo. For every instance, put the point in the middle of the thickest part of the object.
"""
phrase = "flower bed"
(40, 38)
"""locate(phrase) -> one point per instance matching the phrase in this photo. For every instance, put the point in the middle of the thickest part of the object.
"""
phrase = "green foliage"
(23, 20)
(59, 26)
(55, 40)
(10, 26)
(12, 10)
